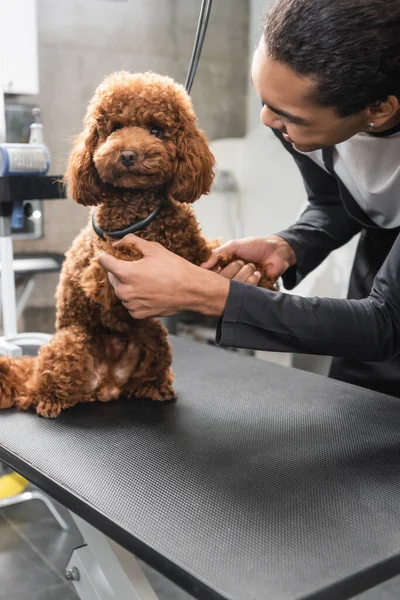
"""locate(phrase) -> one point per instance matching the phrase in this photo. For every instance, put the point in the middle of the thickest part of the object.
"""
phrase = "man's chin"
(306, 149)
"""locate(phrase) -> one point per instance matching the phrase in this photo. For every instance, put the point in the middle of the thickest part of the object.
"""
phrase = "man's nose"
(270, 119)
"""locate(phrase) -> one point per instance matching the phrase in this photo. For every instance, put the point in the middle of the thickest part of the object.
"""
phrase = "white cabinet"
(19, 47)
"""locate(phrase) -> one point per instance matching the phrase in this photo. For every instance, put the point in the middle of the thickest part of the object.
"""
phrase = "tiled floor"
(34, 553)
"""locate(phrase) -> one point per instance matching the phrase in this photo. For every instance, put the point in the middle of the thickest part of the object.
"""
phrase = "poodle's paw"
(164, 392)
(48, 409)
(225, 259)
(268, 283)
(107, 394)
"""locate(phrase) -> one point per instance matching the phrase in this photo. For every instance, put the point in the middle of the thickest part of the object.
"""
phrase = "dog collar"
(117, 234)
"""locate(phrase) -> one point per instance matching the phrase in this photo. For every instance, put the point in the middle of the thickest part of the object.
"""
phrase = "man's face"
(290, 108)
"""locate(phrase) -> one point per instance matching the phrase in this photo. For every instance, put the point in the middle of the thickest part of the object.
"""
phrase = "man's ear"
(383, 111)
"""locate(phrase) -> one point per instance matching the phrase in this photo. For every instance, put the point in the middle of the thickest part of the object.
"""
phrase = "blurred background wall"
(81, 41)
(64, 48)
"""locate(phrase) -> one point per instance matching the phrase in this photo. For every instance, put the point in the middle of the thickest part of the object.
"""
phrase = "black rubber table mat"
(260, 483)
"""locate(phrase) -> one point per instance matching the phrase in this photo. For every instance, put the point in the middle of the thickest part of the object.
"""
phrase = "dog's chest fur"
(176, 228)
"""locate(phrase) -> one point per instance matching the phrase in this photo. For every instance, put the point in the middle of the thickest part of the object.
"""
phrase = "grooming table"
(261, 482)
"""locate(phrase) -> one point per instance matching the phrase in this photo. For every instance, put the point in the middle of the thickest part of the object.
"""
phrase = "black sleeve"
(367, 329)
(325, 224)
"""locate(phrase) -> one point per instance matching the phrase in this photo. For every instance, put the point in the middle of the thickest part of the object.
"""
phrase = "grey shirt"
(367, 329)
(369, 167)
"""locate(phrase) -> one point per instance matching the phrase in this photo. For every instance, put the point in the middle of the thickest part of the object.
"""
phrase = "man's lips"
(287, 138)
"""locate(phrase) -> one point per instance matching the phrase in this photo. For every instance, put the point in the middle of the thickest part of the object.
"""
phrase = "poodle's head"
(140, 133)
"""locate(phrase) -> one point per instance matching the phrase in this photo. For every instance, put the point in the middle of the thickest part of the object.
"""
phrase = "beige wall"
(80, 41)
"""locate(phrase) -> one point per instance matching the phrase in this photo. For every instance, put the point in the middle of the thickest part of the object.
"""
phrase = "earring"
(371, 126)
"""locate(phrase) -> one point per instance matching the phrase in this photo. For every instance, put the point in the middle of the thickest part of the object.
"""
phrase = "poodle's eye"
(156, 131)
(115, 127)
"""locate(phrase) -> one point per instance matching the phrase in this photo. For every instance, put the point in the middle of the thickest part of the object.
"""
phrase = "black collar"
(117, 234)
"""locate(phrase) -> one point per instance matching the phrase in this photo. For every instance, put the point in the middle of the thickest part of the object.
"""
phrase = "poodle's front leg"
(64, 373)
(225, 259)
(153, 377)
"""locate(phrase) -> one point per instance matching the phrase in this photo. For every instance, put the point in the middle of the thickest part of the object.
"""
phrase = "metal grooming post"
(12, 343)
(6, 250)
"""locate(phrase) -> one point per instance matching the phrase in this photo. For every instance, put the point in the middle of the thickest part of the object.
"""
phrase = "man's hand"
(273, 252)
(162, 283)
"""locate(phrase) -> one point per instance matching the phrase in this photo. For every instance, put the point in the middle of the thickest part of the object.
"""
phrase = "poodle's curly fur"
(99, 352)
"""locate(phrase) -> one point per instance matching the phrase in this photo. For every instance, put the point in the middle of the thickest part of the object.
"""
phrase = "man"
(328, 75)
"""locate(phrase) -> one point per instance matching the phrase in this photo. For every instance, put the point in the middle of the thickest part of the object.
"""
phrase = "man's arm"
(325, 224)
(367, 329)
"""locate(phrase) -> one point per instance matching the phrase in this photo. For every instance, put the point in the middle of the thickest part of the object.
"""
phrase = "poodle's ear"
(195, 167)
(81, 176)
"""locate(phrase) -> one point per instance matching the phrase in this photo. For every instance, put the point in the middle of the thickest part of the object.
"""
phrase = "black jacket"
(363, 332)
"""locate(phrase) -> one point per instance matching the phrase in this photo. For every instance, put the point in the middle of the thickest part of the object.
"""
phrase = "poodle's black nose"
(128, 158)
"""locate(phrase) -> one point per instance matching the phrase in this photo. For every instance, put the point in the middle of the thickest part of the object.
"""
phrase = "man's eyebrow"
(282, 113)
(287, 115)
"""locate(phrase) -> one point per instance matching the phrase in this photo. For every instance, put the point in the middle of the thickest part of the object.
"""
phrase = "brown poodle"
(140, 152)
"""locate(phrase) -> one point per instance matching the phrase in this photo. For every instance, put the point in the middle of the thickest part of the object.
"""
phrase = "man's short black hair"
(351, 47)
